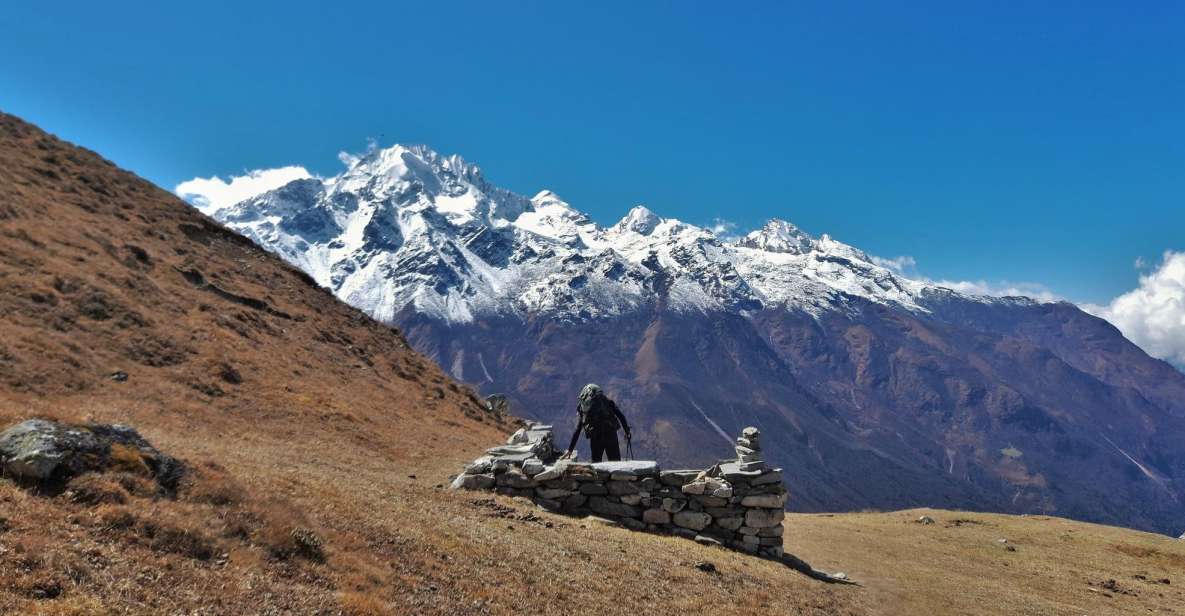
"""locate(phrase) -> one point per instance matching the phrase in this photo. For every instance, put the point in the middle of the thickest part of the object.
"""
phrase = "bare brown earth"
(319, 443)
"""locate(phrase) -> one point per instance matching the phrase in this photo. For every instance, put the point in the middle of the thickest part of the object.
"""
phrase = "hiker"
(600, 418)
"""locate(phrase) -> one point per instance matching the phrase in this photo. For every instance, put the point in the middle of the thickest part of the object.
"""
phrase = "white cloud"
(1002, 288)
(725, 230)
(900, 265)
(210, 194)
(1153, 314)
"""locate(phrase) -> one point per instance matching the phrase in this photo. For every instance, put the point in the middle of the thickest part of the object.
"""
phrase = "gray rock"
(686, 533)
(768, 541)
(768, 501)
(631, 499)
(773, 476)
(560, 484)
(677, 478)
(764, 518)
(617, 488)
(772, 552)
(729, 523)
(473, 482)
(550, 474)
(553, 493)
(748, 530)
(39, 450)
(515, 479)
(620, 476)
(925, 520)
(632, 524)
(593, 489)
(692, 519)
(712, 501)
(548, 504)
(574, 502)
(706, 540)
(636, 468)
(603, 506)
(36, 448)
(533, 466)
(771, 531)
(673, 505)
(656, 516)
(479, 466)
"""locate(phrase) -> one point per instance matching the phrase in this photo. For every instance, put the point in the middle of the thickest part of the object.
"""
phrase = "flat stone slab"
(631, 467)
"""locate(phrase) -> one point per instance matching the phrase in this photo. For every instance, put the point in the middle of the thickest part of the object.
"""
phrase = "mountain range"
(876, 390)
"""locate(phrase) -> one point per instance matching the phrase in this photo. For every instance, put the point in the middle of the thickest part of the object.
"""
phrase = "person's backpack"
(596, 410)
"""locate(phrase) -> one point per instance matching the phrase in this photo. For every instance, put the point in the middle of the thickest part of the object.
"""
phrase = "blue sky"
(1019, 142)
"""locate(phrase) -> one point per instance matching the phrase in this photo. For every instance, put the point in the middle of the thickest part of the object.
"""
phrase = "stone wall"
(736, 503)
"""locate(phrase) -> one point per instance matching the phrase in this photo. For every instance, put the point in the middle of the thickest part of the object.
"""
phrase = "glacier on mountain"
(405, 228)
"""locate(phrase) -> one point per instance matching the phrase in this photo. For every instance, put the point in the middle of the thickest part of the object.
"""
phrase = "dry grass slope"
(320, 444)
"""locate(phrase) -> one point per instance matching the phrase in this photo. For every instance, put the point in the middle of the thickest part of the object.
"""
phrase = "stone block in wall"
(772, 531)
(560, 484)
(580, 472)
(768, 541)
(656, 516)
(548, 504)
(617, 488)
(633, 468)
(686, 533)
(631, 499)
(632, 523)
(772, 552)
(768, 501)
(553, 493)
(774, 476)
(731, 524)
(593, 489)
(695, 520)
(673, 505)
(711, 501)
(551, 474)
(574, 502)
(604, 506)
(677, 479)
(515, 479)
(764, 518)
(473, 482)
(749, 548)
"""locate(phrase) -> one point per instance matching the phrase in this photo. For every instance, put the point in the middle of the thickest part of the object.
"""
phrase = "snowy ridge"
(404, 228)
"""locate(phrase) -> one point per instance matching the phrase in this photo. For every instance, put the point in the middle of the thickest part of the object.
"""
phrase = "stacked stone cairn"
(736, 503)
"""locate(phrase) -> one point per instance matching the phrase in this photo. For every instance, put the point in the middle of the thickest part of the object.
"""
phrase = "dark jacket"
(581, 424)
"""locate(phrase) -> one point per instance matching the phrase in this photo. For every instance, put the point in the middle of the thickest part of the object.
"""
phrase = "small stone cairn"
(736, 503)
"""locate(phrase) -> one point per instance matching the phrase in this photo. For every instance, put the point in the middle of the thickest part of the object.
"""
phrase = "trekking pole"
(629, 446)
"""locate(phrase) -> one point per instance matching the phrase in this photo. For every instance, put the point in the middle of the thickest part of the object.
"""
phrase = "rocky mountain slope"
(876, 389)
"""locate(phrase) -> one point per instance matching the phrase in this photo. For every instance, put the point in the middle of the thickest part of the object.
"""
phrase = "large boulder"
(40, 450)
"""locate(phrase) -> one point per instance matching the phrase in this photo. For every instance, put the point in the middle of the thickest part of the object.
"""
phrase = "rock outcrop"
(737, 503)
(42, 451)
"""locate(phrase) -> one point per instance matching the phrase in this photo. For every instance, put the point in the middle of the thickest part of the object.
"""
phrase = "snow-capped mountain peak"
(639, 220)
(778, 236)
(405, 228)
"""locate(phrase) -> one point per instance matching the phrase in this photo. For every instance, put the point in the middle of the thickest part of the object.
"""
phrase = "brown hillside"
(318, 443)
